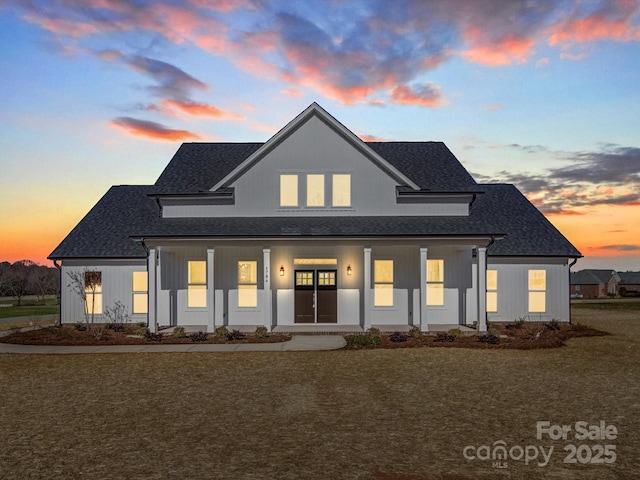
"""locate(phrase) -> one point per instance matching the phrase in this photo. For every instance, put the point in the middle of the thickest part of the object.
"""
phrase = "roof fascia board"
(297, 122)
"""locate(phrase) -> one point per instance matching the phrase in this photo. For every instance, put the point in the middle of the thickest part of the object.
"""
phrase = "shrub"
(220, 332)
(519, 323)
(374, 331)
(443, 337)
(179, 332)
(79, 327)
(362, 339)
(455, 332)
(199, 336)
(142, 324)
(553, 324)
(398, 337)
(117, 316)
(415, 332)
(235, 335)
(492, 337)
(152, 337)
(261, 332)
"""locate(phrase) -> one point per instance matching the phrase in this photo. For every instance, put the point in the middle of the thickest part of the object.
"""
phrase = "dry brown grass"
(370, 414)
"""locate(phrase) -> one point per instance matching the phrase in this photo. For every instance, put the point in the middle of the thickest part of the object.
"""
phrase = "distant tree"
(43, 281)
(18, 285)
(5, 275)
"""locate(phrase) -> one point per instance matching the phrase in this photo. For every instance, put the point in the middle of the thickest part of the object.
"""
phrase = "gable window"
(315, 190)
(288, 190)
(435, 282)
(140, 286)
(383, 283)
(492, 290)
(93, 293)
(537, 291)
(197, 284)
(247, 283)
(341, 193)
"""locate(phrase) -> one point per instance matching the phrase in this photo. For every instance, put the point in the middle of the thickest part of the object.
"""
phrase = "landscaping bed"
(516, 335)
(133, 335)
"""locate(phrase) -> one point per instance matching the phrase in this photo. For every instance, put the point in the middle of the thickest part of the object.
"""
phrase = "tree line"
(25, 277)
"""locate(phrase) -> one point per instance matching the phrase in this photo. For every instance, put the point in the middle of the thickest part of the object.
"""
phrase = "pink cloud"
(425, 95)
(292, 92)
(202, 109)
(153, 130)
(372, 138)
(592, 28)
(499, 52)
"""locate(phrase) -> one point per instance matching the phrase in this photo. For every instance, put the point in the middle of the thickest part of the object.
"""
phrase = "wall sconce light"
(349, 272)
(282, 270)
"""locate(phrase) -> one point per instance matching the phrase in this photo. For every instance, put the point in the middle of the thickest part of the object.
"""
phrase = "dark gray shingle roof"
(591, 276)
(629, 278)
(197, 167)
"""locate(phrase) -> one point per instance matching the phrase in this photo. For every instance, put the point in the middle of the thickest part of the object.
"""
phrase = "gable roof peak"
(314, 109)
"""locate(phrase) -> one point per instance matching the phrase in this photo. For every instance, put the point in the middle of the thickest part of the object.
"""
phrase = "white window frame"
(382, 285)
(248, 285)
(287, 190)
(435, 284)
(194, 300)
(93, 296)
(335, 201)
(138, 293)
(492, 291)
(536, 292)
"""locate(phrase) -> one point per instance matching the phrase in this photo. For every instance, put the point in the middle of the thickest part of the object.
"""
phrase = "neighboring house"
(316, 226)
(629, 283)
(592, 283)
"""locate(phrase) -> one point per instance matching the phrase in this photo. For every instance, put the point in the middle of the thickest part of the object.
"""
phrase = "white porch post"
(211, 291)
(424, 322)
(482, 289)
(266, 255)
(152, 277)
(367, 288)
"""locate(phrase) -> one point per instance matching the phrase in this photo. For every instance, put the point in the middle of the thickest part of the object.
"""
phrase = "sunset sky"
(543, 94)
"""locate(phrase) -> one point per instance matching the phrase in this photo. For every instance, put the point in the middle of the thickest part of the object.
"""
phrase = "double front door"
(316, 296)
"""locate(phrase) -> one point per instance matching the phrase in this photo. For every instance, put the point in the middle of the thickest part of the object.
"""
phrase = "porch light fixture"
(282, 270)
(349, 272)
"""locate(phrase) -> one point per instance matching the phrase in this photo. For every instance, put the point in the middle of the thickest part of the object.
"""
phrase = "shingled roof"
(197, 167)
(128, 211)
(591, 276)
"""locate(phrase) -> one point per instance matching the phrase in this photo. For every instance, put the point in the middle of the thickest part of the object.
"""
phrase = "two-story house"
(316, 226)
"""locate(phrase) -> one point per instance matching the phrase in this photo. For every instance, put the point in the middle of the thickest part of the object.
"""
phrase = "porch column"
(211, 291)
(367, 288)
(152, 276)
(424, 325)
(482, 289)
(266, 256)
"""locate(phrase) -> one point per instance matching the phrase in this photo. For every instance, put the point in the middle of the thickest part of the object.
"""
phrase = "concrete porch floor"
(320, 329)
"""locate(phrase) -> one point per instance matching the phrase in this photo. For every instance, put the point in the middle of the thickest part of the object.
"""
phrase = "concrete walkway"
(297, 343)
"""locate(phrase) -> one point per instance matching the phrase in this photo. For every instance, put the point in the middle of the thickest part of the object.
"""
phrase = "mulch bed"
(132, 335)
(528, 336)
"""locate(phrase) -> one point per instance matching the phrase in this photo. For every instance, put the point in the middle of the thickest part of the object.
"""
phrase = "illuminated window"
(288, 190)
(435, 282)
(93, 292)
(247, 283)
(315, 190)
(197, 284)
(383, 283)
(140, 287)
(327, 279)
(341, 190)
(537, 291)
(492, 290)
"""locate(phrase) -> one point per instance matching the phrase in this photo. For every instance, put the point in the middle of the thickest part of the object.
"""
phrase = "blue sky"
(543, 94)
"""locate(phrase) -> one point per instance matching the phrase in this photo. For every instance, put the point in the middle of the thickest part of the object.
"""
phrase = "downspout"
(59, 267)
(473, 199)
(571, 265)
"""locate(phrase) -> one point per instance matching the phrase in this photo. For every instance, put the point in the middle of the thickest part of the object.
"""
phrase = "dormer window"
(288, 190)
(341, 196)
(315, 190)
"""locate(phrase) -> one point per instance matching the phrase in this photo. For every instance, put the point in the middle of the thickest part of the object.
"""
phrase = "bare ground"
(364, 414)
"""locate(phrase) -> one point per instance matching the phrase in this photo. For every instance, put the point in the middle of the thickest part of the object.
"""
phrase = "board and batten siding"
(117, 286)
(314, 149)
(513, 291)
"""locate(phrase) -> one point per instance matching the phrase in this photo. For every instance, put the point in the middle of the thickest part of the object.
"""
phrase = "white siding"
(314, 149)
